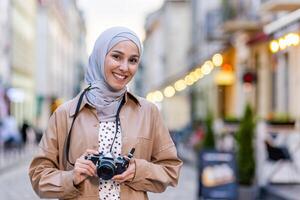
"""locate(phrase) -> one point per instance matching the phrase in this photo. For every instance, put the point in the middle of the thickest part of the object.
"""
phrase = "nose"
(124, 66)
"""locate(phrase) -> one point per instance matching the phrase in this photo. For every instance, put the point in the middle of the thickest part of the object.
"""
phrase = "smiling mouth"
(119, 77)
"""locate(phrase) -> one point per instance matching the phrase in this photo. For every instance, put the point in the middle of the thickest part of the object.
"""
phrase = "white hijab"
(101, 95)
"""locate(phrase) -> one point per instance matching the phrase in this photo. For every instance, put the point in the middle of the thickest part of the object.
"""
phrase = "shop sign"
(218, 175)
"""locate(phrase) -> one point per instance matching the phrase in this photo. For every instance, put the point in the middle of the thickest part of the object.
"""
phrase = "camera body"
(108, 166)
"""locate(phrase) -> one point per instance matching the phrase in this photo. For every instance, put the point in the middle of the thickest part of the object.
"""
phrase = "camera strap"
(68, 141)
(117, 123)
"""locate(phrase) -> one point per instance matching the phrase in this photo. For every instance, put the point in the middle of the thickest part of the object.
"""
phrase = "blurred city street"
(15, 183)
(186, 188)
(224, 75)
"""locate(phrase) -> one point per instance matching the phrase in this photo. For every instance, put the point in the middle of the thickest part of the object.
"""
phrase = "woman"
(105, 118)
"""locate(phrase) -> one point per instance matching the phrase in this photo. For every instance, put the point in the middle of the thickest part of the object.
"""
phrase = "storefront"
(225, 80)
(284, 46)
(260, 65)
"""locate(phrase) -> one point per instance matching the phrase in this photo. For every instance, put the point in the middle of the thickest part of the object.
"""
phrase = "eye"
(133, 60)
(116, 56)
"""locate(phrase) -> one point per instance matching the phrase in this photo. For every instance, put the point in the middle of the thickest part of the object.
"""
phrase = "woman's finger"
(90, 170)
(83, 171)
(83, 167)
(127, 175)
(86, 164)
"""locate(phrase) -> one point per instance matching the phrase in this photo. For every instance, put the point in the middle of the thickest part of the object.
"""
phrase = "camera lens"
(106, 170)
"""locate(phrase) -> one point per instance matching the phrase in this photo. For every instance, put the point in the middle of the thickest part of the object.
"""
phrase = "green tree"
(245, 150)
(209, 140)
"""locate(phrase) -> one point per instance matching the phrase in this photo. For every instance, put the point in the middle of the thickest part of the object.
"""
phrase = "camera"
(108, 166)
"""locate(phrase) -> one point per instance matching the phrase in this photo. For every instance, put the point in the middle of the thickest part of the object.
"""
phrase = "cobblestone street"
(186, 189)
(15, 185)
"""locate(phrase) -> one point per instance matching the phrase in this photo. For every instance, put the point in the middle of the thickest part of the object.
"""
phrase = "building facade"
(284, 31)
(242, 32)
(167, 45)
(5, 42)
(61, 55)
(23, 59)
(42, 56)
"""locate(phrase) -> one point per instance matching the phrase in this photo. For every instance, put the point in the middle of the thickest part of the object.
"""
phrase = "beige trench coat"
(157, 164)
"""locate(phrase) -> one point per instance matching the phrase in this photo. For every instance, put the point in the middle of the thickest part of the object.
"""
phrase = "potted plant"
(231, 120)
(205, 134)
(207, 144)
(281, 120)
(245, 154)
(209, 138)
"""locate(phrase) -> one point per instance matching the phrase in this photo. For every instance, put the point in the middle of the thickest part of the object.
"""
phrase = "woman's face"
(121, 64)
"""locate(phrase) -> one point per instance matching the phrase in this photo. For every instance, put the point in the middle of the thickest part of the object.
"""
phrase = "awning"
(282, 22)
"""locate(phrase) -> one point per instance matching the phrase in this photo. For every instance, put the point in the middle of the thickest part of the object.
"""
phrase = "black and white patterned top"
(109, 189)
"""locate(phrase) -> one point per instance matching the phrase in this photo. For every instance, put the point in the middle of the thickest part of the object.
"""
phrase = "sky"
(102, 14)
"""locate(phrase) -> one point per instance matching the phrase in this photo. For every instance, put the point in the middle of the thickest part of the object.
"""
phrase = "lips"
(119, 76)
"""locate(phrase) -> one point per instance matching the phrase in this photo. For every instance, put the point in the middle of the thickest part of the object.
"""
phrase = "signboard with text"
(218, 175)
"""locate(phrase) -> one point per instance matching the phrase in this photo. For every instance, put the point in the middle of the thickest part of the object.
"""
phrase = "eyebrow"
(120, 52)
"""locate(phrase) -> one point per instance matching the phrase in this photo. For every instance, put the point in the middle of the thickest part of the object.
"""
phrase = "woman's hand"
(128, 175)
(84, 168)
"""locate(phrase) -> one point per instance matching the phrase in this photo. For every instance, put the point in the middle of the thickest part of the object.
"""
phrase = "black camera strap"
(117, 123)
(68, 141)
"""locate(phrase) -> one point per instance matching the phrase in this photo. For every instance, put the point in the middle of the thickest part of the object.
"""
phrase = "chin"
(118, 87)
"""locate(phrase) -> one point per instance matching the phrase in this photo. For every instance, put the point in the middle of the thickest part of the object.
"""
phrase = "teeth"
(119, 76)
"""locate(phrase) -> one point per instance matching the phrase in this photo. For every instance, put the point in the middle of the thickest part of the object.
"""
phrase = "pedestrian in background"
(10, 134)
(111, 121)
(24, 131)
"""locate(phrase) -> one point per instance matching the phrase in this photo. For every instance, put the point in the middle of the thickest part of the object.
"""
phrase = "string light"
(190, 78)
(206, 67)
(158, 96)
(150, 97)
(169, 91)
(194, 76)
(180, 85)
(290, 39)
(274, 46)
(282, 43)
(217, 60)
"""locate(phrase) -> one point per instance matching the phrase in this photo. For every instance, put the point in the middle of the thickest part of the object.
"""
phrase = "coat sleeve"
(46, 178)
(164, 167)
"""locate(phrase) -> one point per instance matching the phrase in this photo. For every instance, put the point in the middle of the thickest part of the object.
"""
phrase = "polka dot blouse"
(109, 189)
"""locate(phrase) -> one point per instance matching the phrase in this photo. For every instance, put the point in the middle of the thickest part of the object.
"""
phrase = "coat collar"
(128, 96)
